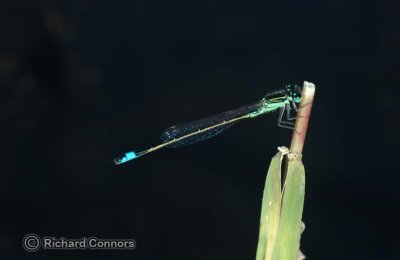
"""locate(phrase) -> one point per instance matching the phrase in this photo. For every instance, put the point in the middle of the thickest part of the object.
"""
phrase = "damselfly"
(196, 131)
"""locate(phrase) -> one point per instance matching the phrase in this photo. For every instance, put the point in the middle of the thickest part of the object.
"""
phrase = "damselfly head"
(293, 91)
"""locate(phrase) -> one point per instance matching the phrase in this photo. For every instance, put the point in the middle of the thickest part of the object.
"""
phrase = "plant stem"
(303, 116)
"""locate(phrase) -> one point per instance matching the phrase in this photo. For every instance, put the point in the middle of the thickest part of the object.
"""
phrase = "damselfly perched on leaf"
(196, 131)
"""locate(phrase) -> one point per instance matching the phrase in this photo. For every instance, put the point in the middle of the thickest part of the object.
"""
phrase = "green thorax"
(271, 104)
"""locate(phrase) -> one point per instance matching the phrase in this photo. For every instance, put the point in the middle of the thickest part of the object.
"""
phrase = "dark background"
(84, 81)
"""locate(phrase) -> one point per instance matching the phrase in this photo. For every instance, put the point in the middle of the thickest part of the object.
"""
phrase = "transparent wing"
(201, 125)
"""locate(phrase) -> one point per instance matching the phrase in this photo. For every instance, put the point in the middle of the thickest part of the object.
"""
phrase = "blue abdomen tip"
(125, 158)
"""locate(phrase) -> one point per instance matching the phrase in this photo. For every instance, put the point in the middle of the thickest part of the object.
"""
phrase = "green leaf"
(290, 226)
(280, 224)
(271, 207)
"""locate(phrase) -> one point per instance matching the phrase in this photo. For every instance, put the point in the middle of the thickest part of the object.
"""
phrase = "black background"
(83, 81)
